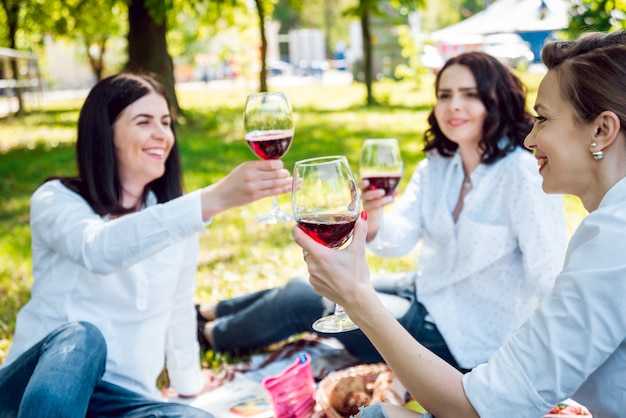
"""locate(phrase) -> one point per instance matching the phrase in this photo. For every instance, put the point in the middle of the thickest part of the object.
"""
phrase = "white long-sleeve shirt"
(575, 344)
(481, 276)
(133, 277)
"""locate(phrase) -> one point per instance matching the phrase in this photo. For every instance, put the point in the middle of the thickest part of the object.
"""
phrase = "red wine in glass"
(381, 165)
(387, 183)
(326, 206)
(268, 123)
(270, 145)
(331, 230)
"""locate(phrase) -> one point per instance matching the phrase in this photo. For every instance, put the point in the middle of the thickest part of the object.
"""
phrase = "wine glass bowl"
(326, 205)
(268, 122)
(381, 165)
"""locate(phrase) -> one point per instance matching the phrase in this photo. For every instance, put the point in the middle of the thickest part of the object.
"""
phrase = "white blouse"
(481, 276)
(133, 277)
(575, 344)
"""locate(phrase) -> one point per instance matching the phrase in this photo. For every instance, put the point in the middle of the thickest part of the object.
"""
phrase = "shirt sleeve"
(579, 325)
(181, 344)
(61, 219)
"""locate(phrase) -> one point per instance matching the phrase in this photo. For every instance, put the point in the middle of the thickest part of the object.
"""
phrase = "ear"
(607, 127)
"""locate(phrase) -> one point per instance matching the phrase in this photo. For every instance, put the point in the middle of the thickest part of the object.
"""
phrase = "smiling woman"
(114, 256)
(143, 139)
(573, 345)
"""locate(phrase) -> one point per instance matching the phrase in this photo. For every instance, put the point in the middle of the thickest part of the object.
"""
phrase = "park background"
(210, 53)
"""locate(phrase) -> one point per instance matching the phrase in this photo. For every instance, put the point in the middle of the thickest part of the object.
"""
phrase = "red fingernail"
(364, 215)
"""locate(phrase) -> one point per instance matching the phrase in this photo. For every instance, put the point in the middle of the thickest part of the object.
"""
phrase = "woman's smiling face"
(459, 111)
(560, 141)
(143, 139)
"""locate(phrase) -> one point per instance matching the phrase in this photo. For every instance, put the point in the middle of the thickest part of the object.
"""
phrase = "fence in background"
(20, 81)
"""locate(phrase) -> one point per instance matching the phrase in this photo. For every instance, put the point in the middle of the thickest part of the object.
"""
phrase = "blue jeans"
(268, 316)
(61, 377)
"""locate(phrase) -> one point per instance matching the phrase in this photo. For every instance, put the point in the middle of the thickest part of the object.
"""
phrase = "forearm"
(432, 381)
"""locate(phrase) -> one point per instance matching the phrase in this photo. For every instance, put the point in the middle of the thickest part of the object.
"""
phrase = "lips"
(456, 122)
(155, 152)
(541, 161)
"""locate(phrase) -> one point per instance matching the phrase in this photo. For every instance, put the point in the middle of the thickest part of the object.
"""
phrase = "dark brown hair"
(507, 122)
(98, 180)
(591, 72)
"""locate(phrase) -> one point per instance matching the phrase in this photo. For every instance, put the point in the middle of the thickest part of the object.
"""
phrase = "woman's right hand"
(373, 202)
(341, 276)
(246, 183)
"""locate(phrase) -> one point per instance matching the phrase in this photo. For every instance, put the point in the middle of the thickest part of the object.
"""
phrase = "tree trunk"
(97, 61)
(13, 11)
(263, 73)
(147, 49)
(367, 50)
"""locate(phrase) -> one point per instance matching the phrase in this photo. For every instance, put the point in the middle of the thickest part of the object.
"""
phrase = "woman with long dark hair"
(114, 260)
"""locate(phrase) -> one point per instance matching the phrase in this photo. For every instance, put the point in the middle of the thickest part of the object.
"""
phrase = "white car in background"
(509, 48)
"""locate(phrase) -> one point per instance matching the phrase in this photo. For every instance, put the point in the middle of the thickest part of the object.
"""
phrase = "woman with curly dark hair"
(486, 259)
(574, 344)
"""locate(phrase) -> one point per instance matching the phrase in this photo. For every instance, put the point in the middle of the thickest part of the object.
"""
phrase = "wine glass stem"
(275, 208)
(340, 313)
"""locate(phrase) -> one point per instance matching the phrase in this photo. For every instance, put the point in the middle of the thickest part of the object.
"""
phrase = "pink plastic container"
(292, 391)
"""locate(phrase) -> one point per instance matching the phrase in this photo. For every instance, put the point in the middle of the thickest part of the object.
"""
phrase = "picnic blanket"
(242, 394)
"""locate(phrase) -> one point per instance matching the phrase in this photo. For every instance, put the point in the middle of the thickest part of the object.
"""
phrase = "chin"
(551, 189)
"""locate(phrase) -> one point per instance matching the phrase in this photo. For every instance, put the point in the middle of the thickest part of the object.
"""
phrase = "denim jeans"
(61, 377)
(268, 316)
(55, 377)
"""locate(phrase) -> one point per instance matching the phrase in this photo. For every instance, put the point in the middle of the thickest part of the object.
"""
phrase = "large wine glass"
(268, 121)
(326, 205)
(381, 165)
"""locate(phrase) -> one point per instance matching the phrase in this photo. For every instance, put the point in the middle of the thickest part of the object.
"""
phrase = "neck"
(470, 158)
(132, 200)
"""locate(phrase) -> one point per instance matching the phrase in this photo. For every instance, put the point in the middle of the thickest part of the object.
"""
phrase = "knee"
(89, 333)
(86, 336)
(300, 289)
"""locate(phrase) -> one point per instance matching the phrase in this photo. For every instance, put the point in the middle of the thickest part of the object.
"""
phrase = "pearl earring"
(597, 155)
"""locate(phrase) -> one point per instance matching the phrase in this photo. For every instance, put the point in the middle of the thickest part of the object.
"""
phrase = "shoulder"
(54, 192)
(53, 187)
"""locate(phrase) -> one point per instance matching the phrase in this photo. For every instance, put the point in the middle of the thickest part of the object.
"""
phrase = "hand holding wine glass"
(326, 205)
(268, 121)
(381, 165)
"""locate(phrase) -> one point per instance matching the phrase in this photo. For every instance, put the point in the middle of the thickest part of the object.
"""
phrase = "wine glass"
(326, 205)
(381, 165)
(268, 121)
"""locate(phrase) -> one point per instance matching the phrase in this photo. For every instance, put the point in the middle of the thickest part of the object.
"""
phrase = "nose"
(530, 140)
(162, 131)
(456, 102)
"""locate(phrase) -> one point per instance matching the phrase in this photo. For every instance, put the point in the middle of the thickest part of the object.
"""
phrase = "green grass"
(237, 254)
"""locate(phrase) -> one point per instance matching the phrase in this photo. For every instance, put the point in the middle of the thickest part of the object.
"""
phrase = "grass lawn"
(237, 254)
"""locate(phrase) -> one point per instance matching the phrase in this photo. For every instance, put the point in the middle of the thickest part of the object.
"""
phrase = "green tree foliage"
(596, 15)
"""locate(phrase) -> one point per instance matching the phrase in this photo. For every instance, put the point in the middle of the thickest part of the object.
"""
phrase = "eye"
(539, 119)
(443, 95)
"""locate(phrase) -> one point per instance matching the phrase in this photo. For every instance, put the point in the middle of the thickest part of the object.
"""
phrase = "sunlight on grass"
(237, 254)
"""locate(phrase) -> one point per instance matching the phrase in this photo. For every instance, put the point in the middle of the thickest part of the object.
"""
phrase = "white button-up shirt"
(481, 276)
(133, 277)
(575, 344)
